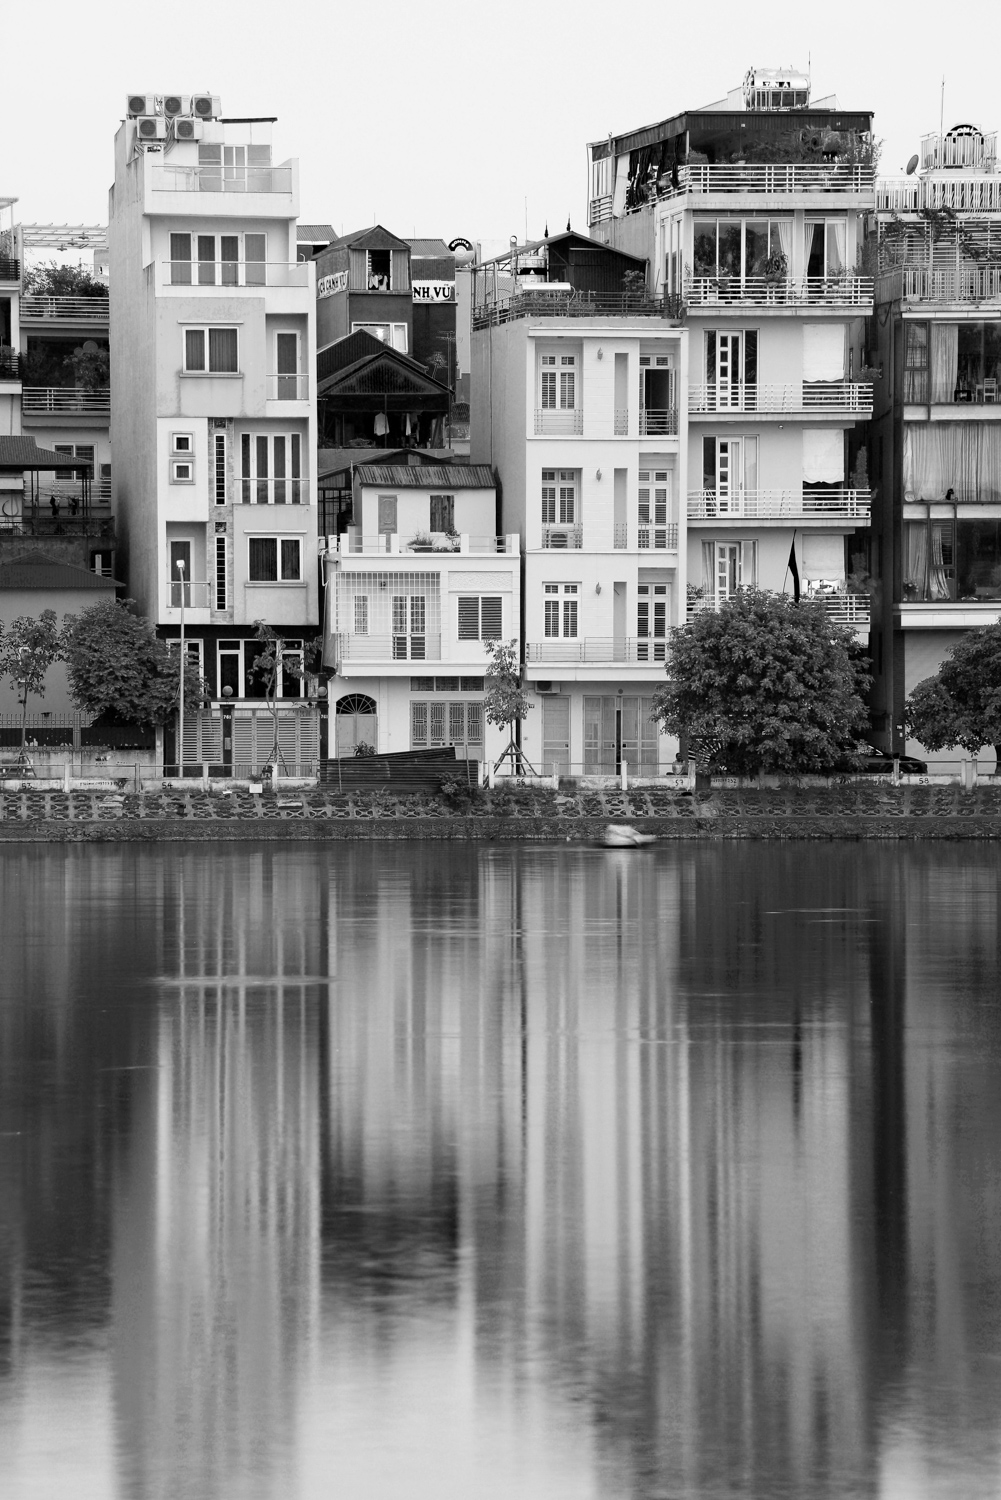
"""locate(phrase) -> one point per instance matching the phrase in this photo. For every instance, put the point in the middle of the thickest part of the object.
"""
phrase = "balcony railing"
(222, 179)
(573, 304)
(554, 536)
(193, 595)
(386, 648)
(658, 537)
(771, 179)
(253, 273)
(287, 387)
(975, 193)
(62, 525)
(9, 365)
(765, 291)
(10, 269)
(271, 491)
(844, 608)
(964, 283)
(711, 505)
(805, 396)
(550, 423)
(64, 309)
(352, 544)
(597, 650)
(659, 423)
(60, 401)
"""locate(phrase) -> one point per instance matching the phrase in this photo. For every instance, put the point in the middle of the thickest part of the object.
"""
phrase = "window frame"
(177, 474)
(463, 603)
(206, 329)
(279, 539)
(561, 606)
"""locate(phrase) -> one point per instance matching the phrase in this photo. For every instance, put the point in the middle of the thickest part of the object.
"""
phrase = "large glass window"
(951, 560)
(739, 248)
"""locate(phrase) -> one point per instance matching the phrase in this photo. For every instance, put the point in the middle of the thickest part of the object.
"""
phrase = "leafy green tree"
(119, 669)
(505, 702)
(961, 705)
(271, 664)
(53, 280)
(765, 684)
(28, 648)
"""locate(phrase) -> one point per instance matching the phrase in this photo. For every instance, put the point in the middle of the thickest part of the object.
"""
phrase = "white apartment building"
(576, 377)
(212, 345)
(750, 213)
(416, 587)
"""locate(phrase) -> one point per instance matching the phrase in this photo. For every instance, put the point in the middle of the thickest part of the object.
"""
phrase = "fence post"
(490, 774)
(68, 775)
(624, 776)
(139, 784)
(556, 776)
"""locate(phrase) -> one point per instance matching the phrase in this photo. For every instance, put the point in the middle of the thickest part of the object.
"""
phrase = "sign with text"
(328, 285)
(434, 291)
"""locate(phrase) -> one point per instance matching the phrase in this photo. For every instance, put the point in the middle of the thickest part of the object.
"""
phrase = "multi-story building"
(417, 586)
(750, 210)
(936, 449)
(576, 377)
(212, 352)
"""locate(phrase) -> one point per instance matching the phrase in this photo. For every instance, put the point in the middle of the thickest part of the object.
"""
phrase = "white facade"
(581, 418)
(213, 345)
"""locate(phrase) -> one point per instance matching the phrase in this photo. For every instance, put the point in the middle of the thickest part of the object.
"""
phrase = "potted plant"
(776, 267)
(421, 541)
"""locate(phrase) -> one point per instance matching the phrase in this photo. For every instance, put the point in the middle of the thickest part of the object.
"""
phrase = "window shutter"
(457, 723)
(474, 723)
(469, 619)
(418, 725)
(490, 619)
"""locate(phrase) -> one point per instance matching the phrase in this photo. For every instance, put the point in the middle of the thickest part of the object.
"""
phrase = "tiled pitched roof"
(20, 453)
(428, 476)
(46, 573)
(314, 233)
(432, 248)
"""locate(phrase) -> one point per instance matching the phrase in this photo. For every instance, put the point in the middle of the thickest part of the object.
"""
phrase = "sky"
(446, 119)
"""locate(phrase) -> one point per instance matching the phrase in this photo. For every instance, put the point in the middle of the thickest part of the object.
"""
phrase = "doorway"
(356, 723)
(556, 736)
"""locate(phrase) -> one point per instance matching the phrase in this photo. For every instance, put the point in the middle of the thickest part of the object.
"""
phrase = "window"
(379, 270)
(211, 351)
(182, 471)
(291, 669)
(84, 452)
(393, 334)
(825, 248)
(409, 618)
(479, 618)
(286, 381)
(219, 468)
(729, 474)
(231, 668)
(651, 622)
(560, 610)
(446, 684)
(740, 248)
(558, 382)
(443, 513)
(728, 566)
(180, 574)
(654, 497)
(361, 614)
(220, 568)
(219, 259)
(271, 468)
(234, 168)
(182, 442)
(559, 497)
(275, 559)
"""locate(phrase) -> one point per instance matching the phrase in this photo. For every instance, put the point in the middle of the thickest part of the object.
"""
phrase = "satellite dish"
(912, 166)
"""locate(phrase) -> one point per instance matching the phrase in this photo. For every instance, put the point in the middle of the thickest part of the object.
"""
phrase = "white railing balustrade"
(711, 505)
(811, 396)
(964, 283)
(551, 423)
(659, 538)
(758, 178)
(270, 491)
(287, 387)
(975, 193)
(597, 650)
(353, 544)
(659, 423)
(252, 273)
(220, 179)
(192, 595)
(387, 648)
(68, 309)
(766, 291)
(562, 536)
(39, 400)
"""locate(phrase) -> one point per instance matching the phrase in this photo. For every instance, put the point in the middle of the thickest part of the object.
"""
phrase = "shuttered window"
(480, 619)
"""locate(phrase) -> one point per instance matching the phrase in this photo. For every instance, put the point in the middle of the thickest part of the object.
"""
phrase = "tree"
(118, 668)
(28, 648)
(962, 704)
(53, 280)
(505, 702)
(765, 684)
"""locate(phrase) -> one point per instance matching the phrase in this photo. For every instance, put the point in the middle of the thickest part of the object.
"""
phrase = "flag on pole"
(794, 570)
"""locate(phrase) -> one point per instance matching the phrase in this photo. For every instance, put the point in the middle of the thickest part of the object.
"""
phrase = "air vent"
(151, 128)
(187, 129)
(140, 104)
(176, 104)
(205, 106)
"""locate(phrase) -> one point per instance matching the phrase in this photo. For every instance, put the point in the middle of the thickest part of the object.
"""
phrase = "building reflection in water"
(458, 1168)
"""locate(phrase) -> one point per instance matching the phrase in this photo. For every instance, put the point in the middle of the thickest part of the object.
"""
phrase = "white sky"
(441, 119)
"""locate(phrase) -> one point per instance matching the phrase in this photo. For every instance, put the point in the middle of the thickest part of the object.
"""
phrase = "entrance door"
(287, 364)
(616, 730)
(651, 621)
(728, 570)
(556, 736)
(356, 723)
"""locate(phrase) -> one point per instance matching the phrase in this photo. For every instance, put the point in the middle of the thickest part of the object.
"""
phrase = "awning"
(20, 453)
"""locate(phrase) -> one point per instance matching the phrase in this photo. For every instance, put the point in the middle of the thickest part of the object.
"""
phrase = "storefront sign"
(328, 285)
(434, 291)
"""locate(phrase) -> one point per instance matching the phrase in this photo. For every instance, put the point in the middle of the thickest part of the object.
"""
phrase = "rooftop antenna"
(941, 127)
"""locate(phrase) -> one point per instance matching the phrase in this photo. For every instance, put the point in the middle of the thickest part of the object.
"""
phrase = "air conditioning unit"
(151, 128)
(187, 129)
(176, 104)
(547, 687)
(205, 106)
(140, 104)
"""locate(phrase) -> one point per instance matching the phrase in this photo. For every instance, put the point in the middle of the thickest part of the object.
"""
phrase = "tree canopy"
(505, 701)
(28, 648)
(119, 669)
(765, 684)
(961, 705)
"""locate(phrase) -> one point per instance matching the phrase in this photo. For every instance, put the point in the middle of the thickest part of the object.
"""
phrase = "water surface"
(378, 1170)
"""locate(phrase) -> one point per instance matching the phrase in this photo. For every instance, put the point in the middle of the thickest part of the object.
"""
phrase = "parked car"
(880, 763)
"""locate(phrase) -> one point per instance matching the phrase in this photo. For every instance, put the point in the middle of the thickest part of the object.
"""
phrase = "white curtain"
(824, 351)
(964, 457)
(823, 455)
(916, 560)
(836, 243)
(709, 569)
(944, 360)
(783, 228)
(938, 585)
(823, 556)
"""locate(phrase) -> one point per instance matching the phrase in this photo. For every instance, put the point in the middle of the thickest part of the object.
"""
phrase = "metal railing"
(62, 525)
(806, 396)
(393, 543)
(659, 423)
(252, 273)
(658, 537)
(763, 178)
(68, 309)
(975, 193)
(9, 364)
(711, 505)
(963, 283)
(386, 648)
(10, 269)
(563, 537)
(843, 608)
(596, 650)
(574, 304)
(39, 400)
(219, 179)
(271, 491)
(551, 423)
(766, 291)
(193, 594)
(287, 387)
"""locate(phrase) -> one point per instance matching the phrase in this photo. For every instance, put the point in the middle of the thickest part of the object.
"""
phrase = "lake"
(433, 1170)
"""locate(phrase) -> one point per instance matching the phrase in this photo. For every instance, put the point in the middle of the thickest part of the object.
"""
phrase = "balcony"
(490, 311)
(975, 193)
(849, 398)
(386, 648)
(193, 595)
(657, 537)
(218, 179)
(771, 179)
(550, 423)
(352, 544)
(287, 387)
(714, 505)
(781, 293)
(597, 651)
(239, 273)
(46, 526)
(64, 310)
(659, 423)
(10, 270)
(270, 491)
(842, 607)
(64, 401)
(954, 284)
(562, 537)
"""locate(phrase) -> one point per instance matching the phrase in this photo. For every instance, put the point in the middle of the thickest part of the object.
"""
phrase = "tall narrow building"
(212, 344)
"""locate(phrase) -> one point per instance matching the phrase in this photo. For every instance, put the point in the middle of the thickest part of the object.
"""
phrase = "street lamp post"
(180, 714)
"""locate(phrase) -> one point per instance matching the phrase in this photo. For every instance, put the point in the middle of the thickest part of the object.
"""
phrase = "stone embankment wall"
(854, 811)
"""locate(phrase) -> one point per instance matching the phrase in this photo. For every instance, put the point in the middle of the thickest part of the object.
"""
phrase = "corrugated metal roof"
(428, 247)
(45, 573)
(431, 268)
(20, 453)
(428, 476)
(313, 233)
